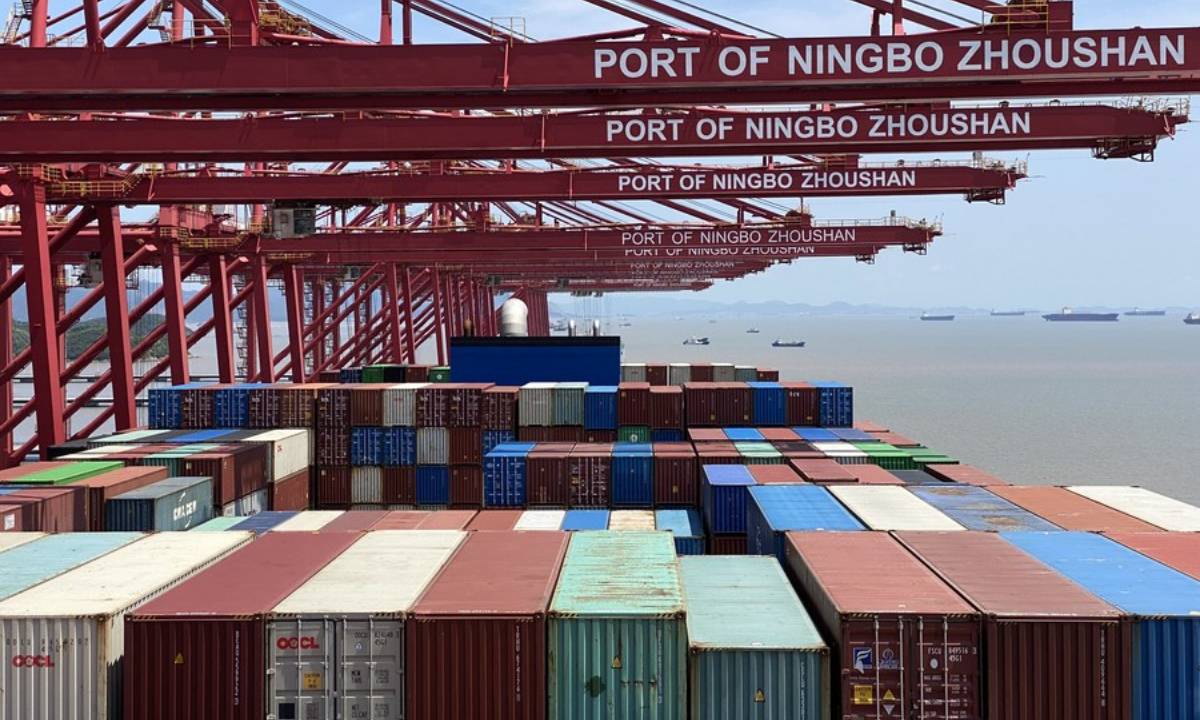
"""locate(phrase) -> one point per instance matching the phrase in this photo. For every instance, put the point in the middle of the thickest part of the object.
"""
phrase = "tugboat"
(936, 318)
(1192, 319)
(1067, 315)
(696, 341)
(753, 331)
(788, 343)
(1138, 312)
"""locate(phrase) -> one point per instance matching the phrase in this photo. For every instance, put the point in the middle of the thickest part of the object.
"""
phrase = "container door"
(945, 661)
(301, 682)
(371, 671)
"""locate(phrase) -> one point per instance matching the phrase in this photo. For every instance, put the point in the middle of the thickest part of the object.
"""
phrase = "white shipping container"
(633, 372)
(631, 520)
(400, 405)
(568, 403)
(843, 453)
(289, 451)
(433, 446)
(355, 658)
(1147, 505)
(679, 373)
(540, 520)
(308, 521)
(535, 405)
(891, 507)
(247, 505)
(724, 372)
(63, 640)
(11, 540)
(366, 485)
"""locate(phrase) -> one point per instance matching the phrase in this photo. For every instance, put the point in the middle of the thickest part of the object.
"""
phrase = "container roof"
(36, 562)
(1167, 513)
(976, 508)
(498, 573)
(619, 574)
(891, 507)
(1070, 511)
(802, 507)
(1177, 550)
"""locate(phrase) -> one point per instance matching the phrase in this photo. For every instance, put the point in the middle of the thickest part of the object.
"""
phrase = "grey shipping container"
(433, 446)
(178, 503)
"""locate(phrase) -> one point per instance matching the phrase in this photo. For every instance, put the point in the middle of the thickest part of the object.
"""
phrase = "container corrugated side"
(308, 521)
(753, 650)
(400, 404)
(289, 451)
(535, 404)
(177, 503)
(977, 509)
(79, 617)
(618, 649)
(1165, 602)
(31, 563)
(433, 446)
(329, 648)
(889, 507)
(568, 403)
(1164, 512)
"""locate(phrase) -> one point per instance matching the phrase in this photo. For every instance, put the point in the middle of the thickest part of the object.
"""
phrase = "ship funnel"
(595, 328)
(571, 330)
(514, 318)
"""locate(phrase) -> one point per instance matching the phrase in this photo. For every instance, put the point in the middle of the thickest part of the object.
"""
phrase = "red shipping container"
(872, 475)
(904, 634)
(666, 408)
(329, 376)
(774, 475)
(499, 407)
(735, 404)
(51, 509)
(895, 439)
(478, 633)
(726, 544)
(868, 426)
(1070, 511)
(448, 520)
(466, 446)
(1052, 649)
(548, 479)
(700, 404)
(823, 471)
(779, 435)
(171, 641)
(495, 520)
(675, 478)
(355, 521)
(236, 470)
(466, 486)
(466, 405)
(556, 434)
(707, 435)
(633, 403)
(656, 374)
(333, 445)
(197, 408)
(766, 374)
(366, 405)
(333, 487)
(1177, 550)
(333, 407)
(99, 489)
(599, 436)
(290, 493)
(723, 453)
(802, 403)
(12, 518)
(590, 478)
(399, 486)
(432, 406)
(702, 372)
(965, 474)
(402, 520)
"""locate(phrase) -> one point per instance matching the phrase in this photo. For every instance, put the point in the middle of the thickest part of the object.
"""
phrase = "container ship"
(406, 517)
(1068, 315)
(1138, 312)
(936, 318)
(1192, 319)
(1009, 313)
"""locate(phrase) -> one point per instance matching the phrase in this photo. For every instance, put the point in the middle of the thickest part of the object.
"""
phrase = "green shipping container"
(74, 472)
(617, 641)
(754, 653)
(439, 374)
(633, 433)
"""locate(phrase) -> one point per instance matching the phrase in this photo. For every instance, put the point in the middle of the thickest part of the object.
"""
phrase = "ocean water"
(1032, 402)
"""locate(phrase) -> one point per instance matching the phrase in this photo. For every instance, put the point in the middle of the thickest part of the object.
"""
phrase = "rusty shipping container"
(903, 640)
(633, 403)
(1051, 649)
(221, 613)
(590, 477)
(478, 633)
(700, 404)
(399, 486)
(366, 405)
(802, 404)
(1069, 510)
(333, 486)
(498, 407)
(548, 479)
(466, 486)
(49, 509)
(666, 408)
(236, 470)
(290, 493)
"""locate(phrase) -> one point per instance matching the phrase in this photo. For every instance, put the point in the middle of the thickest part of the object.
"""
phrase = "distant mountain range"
(649, 306)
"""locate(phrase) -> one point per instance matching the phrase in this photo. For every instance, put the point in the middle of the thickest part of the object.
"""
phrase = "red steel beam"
(261, 325)
(222, 308)
(717, 70)
(6, 353)
(888, 129)
(292, 290)
(116, 311)
(173, 303)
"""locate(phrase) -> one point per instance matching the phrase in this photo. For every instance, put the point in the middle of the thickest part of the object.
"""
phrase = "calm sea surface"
(1033, 402)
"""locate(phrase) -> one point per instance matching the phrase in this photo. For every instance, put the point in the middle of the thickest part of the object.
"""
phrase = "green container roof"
(74, 472)
(743, 603)
(217, 524)
(619, 574)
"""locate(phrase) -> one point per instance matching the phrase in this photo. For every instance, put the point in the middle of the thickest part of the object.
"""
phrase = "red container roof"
(822, 470)
(872, 475)
(1070, 511)
(402, 520)
(774, 474)
(498, 573)
(355, 520)
(964, 474)
(1002, 580)
(252, 580)
(496, 520)
(1177, 550)
(448, 520)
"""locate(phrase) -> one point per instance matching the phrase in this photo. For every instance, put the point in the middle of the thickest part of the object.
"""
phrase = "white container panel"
(288, 451)
(247, 505)
(1147, 505)
(540, 520)
(433, 446)
(631, 520)
(535, 405)
(400, 405)
(11, 540)
(366, 485)
(890, 507)
(308, 521)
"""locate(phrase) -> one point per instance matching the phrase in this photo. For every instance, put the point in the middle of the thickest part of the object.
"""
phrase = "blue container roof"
(606, 389)
(854, 435)
(585, 520)
(977, 509)
(728, 475)
(761, 385)
(35, 562)
(512, 448)
(683, 522)
(802, 507)
(204, 435)
(815, 434)
(632, 448)
(744, 434)
(1124, 578)
(264, 521)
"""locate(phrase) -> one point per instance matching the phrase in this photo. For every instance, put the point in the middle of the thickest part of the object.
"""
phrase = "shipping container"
(102, 488)
(822, 471)
(290, 493)
(478, 632)
(872, 475)
(465, 446)
(30, 563)
(904, 643)
(44, 509)
(498, 408)
(337, 654)
(633, 475)
(505, 471)
(773, 510)
(770, 403)
(10, 540)
(618, 649)
(724, 373)
(775, 475)
(1147, 505)
(221, 612)
(236, 470)
(244, 507)
(366, 485)
(308, 521)
(600, 407)
(977, 509)
(264, 521)
(656, 374)
(177, 503)
(399, 486)
(433, 485)
(964, 474)
(888, 507)
(679, 373)
(541, 520)
(536, 404)
(548, 478)
(1031, 614)
(666, 408)
(686, 526)
(496, 520)
(568, 403)
(631, 520)
(433, 446)
(218, 524)
(633, 403)
(590, 478)
(1164, 602)
(448, 520)
(633, 372)
(585, 520)
(400, 405)
(402, 520)
(74, 622)
(66, 473)
(703, 373)
(466, 486)
(753, 650)
(355, 521)
(675, 473)
(724, 497)
(1069, 510)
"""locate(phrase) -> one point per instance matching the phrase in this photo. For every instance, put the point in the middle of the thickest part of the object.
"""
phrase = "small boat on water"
(936, 318)
(696, 341)
(1009, 313)
(1138, 312)
(1068, 315)
(1192, 319)
(753, 331)
(788, 343)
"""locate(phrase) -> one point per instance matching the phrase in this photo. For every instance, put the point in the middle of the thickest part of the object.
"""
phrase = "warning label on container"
(312, 681)
(864, 695)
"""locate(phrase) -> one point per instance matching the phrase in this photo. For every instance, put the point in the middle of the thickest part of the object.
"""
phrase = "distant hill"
(86, 332)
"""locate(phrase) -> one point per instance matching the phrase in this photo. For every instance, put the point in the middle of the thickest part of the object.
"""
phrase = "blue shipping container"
(815, 434)
(977, 509)
(853, 435)
(203, 436)
(504, 476)
(773, 510)
(492, 438)
(835, 404)
(633, 477)
(661, 436)
(231, 406)
(743, 434)
(687, 527)
(1165, 602)
(433, 485)
(770, 404)
(600, 407)
(166, 405)
(350, 376)
(585, 520)
(366, 446)
(399, 447)
(264, 521)
(724, 497)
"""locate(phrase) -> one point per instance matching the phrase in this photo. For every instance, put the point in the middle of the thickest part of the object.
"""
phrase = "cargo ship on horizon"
(1192, 319)
(1009, 313)
(1138, 312)
(1068, 315)
(936, 318)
